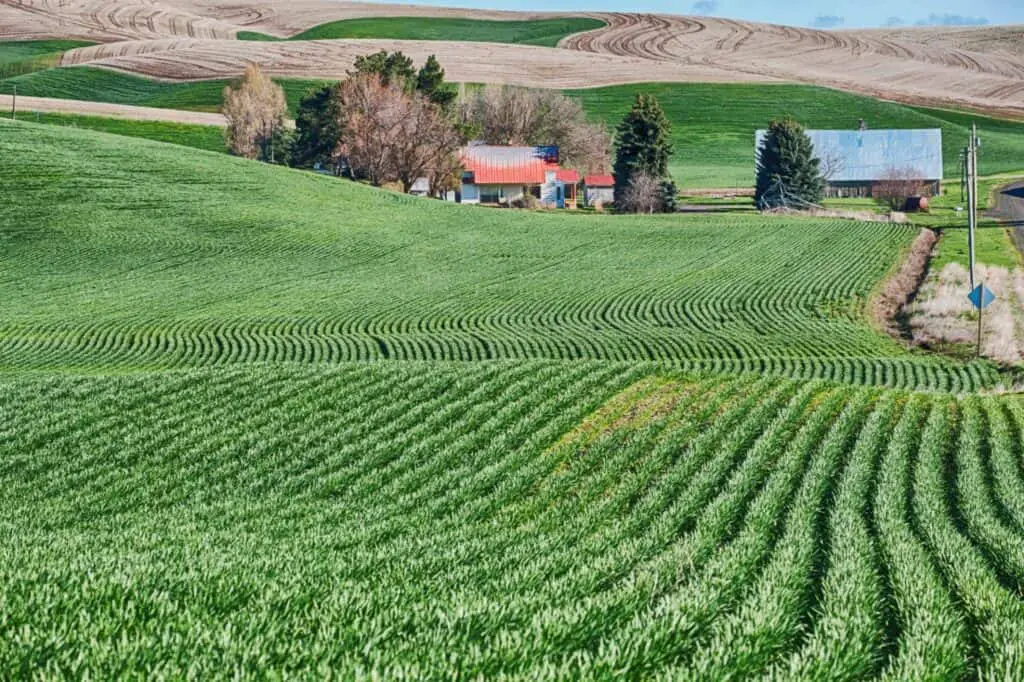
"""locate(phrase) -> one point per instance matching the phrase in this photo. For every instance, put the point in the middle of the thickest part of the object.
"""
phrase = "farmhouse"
(854, 161)
(599, 190)
(499, 175)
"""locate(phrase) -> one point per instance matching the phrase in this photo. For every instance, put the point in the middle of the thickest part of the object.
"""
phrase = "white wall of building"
(549, 190)
(600, 195)
(476, 194)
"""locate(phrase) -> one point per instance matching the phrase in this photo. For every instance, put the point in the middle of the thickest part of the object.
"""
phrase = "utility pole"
(972, 196)
(14, 104)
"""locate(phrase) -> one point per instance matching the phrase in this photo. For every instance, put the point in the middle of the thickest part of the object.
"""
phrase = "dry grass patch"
(635, 407)
(901, 287)
(943, 316)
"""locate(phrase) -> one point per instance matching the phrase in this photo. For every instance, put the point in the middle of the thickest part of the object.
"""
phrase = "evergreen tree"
(669, 194)
(430, 82)
(788, 173)
(317, 127)
(642, 143)
(392, 67)
(431, 76)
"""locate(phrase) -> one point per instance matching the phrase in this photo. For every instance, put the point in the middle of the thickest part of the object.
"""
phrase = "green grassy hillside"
(532, 521)
(100, 85)
(550, 469)
(19, 57)
(157, 257)
(546, 32)
(714, 124)
(208, 138)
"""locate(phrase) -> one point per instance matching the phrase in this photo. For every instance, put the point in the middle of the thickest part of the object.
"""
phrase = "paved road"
(68, 106)
(1010, 208)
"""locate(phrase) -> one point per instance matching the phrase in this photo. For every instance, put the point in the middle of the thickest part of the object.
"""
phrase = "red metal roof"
(599, 181)
(494, 165)
(567, 176)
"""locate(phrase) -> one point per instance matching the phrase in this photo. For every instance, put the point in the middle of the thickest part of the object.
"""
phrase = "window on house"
(490, 194)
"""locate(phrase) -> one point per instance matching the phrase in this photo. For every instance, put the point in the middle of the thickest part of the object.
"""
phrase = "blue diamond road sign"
(982, 297)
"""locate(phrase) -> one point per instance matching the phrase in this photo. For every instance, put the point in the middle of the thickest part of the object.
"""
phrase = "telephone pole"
(14, 104)
(972, 196)
(980, 295)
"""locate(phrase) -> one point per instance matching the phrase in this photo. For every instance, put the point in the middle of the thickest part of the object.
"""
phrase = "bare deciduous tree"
(425, 142)
(444, 175)
(520, 116)
(390, 135)
(832, 163)
(643, 194)
(255, 112)
(367, 118)
(587, 147)
(897, 185)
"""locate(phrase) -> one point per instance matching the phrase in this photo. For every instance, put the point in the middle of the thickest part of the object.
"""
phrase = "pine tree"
(430, 82)
(642, 143)
(317, 127)
(393, 68)
(788, 173)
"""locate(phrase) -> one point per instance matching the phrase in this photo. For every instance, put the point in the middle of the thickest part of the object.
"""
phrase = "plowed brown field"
(976, 68)
(177, 58)
(28, 105)
(923, 67)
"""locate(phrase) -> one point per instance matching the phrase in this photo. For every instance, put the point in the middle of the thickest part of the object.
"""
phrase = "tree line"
(388, 123)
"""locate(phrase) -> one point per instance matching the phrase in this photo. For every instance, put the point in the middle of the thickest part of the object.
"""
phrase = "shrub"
(896, 186)
(527, 201)
(644, 194)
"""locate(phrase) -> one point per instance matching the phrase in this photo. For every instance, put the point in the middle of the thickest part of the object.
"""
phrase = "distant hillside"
(713, 125)
(1007, 40)
(159, 256)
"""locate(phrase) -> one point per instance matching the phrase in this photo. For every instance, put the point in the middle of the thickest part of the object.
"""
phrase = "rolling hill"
(160, 256)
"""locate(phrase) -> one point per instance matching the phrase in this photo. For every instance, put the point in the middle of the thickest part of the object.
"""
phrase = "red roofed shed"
(599, 189)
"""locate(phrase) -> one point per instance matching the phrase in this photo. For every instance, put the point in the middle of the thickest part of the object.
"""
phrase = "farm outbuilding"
(496, 175)
(855, 161)
(599, 190)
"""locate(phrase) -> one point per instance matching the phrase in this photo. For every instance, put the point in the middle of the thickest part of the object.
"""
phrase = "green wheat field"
(256, 422)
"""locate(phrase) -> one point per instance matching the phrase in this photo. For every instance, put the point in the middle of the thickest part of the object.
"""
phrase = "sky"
(813, 13)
